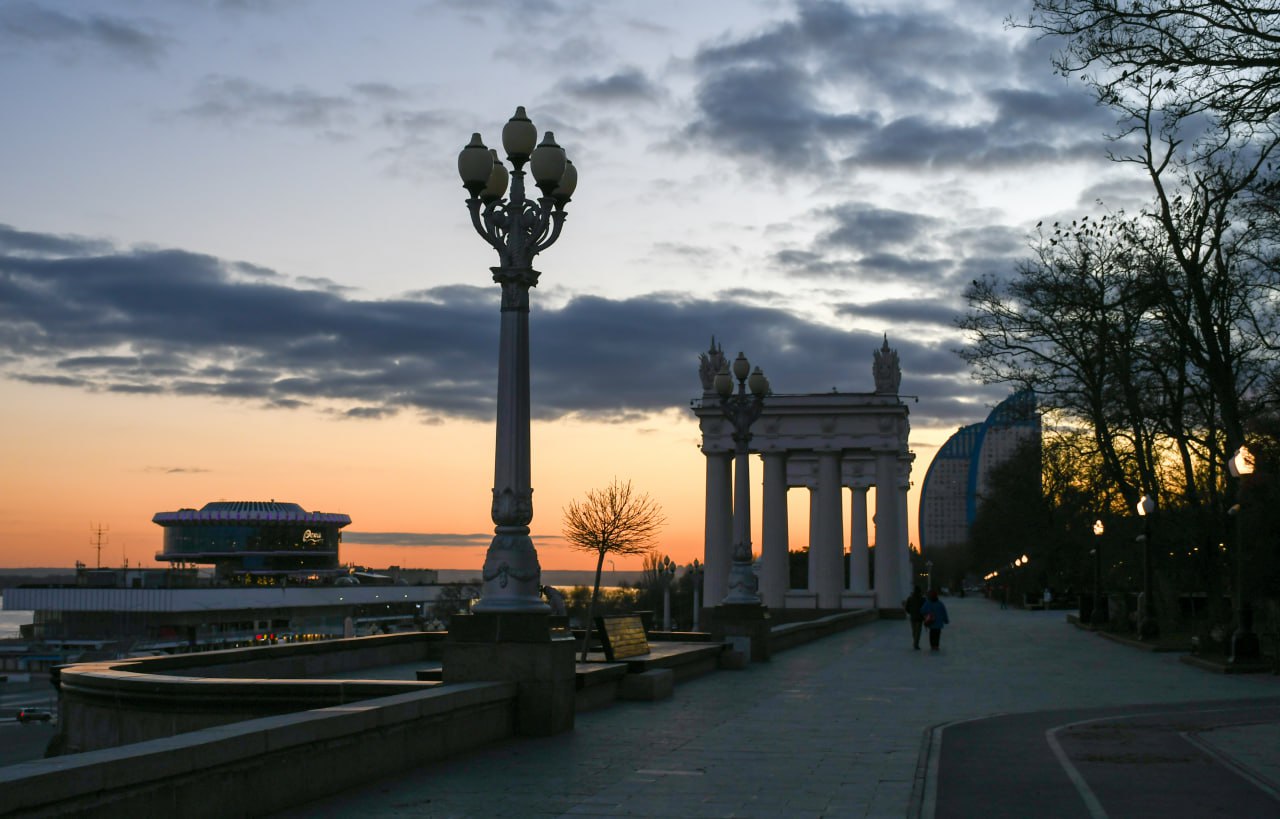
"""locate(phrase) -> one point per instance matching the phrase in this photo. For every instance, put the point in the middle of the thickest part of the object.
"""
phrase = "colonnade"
(824, 442)
(825, 474)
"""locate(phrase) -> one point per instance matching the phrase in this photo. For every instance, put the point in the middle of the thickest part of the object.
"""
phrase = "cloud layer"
(83, 314)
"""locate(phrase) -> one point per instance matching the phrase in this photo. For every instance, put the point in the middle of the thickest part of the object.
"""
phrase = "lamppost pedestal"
(520, 647)
(745, 626)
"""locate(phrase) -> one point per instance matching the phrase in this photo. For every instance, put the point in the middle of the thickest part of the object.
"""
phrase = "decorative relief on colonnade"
(826, 442)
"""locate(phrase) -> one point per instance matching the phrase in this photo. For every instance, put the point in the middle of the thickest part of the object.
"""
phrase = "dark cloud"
(802, 94)
(18, 242)
(770, 113)
(236, 100)
(172, 322)
(627, 85)
(176, 470)
(865, 227)
(933, 313)
(416, 539)
(131, 40)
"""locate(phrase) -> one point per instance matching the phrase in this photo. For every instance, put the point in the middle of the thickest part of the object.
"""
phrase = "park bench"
(622, 636)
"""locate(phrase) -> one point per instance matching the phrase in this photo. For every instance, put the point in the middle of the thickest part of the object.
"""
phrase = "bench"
(622, 637)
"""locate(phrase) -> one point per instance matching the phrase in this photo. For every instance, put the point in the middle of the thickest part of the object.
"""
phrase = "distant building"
(276, 578)
(960, 473)
(253, 539)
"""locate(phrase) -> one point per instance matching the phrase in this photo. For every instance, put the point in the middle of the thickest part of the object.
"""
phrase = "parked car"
(34, 715)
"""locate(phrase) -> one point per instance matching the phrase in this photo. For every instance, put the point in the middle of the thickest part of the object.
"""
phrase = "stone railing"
(264, 765)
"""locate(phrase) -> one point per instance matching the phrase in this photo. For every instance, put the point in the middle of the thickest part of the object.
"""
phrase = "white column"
(815, 535)
(859, 572)
(888, 577)
(827, 552)
(718, 542)
(775, 569)
(904, 543)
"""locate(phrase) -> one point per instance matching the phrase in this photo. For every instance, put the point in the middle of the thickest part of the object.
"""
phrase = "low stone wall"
(264, 765)
(103, 705)
(790, 635)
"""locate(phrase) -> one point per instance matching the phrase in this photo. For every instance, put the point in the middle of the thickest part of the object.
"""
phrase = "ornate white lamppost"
(742, 410)
(1244, 643)
(518, 229)
(1148, 628)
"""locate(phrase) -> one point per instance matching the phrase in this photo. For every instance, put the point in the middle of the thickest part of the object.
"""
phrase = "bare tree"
(613, 520)
(1217, 57)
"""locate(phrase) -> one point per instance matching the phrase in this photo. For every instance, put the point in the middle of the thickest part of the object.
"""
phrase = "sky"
(236, 263)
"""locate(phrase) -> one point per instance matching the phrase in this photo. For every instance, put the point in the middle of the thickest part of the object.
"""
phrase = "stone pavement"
(839, 727)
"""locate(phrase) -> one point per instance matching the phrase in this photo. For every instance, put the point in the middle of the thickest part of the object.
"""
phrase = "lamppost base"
(511, 574)
(523, 648)
(1244, 647)
(746, 626)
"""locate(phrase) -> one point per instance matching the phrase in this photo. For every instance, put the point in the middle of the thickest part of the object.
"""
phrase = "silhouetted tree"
(612, 520)
(1216, 57)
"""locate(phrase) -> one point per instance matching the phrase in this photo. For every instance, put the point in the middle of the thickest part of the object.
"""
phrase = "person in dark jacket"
(935, 617)
(912, 606)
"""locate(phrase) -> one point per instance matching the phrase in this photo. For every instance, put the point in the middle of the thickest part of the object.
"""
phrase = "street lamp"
(666, 571)
(1244, 643)
(1147, 626)
(742, 410)
(1097, 617)
(518, 229)
(695, 569)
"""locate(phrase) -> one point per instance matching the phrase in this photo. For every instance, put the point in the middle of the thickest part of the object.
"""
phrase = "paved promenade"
(852, 726)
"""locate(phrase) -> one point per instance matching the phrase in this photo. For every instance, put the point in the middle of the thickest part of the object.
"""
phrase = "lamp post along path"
(742, 410)
(518, 228)
(1244, 642)
(509, 634)
(1147, 626)
(1097, 616)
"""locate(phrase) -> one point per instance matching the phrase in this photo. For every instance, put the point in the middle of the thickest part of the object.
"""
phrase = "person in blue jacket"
(935, 617)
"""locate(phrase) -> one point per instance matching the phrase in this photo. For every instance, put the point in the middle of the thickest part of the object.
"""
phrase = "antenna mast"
(98, 531)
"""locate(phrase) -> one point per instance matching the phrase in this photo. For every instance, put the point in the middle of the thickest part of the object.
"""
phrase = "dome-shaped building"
(253, 538)
(958, 477)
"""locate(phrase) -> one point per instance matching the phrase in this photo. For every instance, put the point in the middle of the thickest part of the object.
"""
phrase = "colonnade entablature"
(824, 442)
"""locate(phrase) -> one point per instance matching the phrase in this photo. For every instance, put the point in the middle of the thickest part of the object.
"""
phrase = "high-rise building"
(958, 478)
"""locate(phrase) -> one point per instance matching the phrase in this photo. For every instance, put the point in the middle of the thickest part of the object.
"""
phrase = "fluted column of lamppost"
(1095, 616)
(518, 228)
(1244, 643)
(1148, 628)
(742, 410)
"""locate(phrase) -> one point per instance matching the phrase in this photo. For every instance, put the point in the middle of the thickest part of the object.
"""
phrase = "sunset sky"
(235, 262)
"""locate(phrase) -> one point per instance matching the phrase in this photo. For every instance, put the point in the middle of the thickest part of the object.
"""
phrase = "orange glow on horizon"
(80, 460)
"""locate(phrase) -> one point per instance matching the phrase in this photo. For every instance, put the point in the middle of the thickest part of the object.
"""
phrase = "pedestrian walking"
(935, 617)
(1004, 596)
(912, 606)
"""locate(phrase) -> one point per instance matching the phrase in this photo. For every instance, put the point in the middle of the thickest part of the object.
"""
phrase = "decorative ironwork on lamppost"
(1147, 626)
(1244, 643)
(518, 229)
(742, 410)
(1096, 616)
